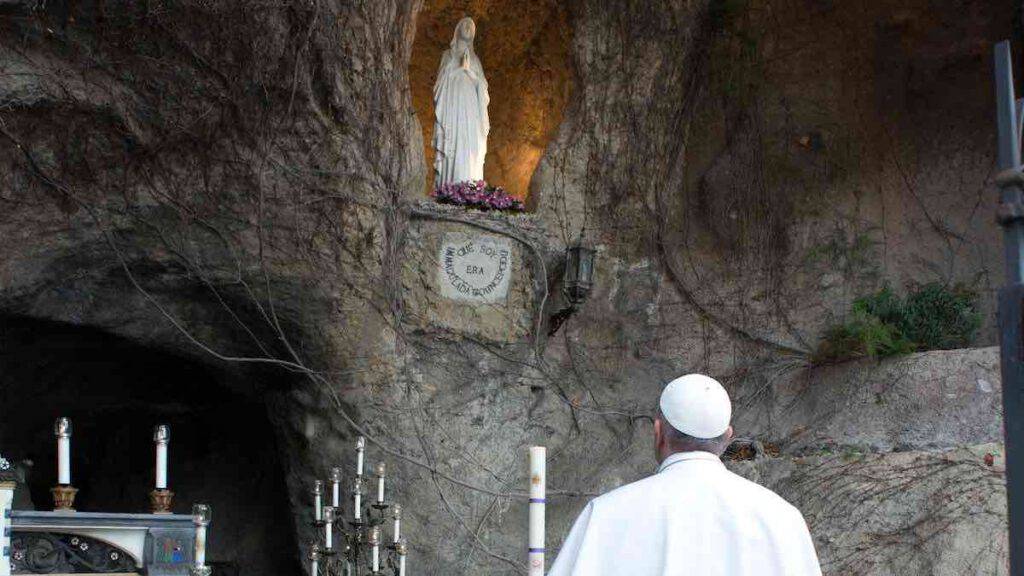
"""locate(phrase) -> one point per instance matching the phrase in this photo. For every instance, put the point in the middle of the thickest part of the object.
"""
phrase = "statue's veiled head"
(465, 31)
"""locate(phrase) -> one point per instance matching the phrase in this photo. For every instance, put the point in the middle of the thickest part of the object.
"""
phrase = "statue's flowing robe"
(461, 123)
(692, 518)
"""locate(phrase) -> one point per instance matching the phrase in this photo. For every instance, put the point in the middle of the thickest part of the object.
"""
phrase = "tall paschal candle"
(538, 489)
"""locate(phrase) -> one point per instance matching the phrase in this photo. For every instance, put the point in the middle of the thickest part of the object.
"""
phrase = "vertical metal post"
(1011, 299)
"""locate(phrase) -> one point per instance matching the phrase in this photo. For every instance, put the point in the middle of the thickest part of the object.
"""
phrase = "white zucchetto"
(697, 405)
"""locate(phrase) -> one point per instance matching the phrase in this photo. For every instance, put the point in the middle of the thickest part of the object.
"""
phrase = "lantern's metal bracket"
(558, 318)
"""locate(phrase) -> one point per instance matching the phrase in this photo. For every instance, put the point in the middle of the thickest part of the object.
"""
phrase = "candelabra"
(353, 545)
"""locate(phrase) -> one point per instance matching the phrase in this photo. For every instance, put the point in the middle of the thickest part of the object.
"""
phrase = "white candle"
(336, 487)
(200, 546)
(400, 549)
(360, 447)
(62, 429)
(162, 437)
(381, 470)
(538, 490)
(201, 519)
(357, 494)
(398, 522)
(318, 500)
(329, 535)
(375, 550)
(314, 560)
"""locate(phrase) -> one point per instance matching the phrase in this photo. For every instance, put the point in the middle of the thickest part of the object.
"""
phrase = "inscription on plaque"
(475, 268)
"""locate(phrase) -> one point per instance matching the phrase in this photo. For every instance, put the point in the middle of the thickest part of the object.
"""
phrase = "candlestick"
(336, 487)
(201, 515)
(314, 560)
(374, 540)
(360, 447)
(318, 500)
(329, 518)
(160, 501)
(162, 437)
(160, 498)
(63, 492)
(398, 522)
(64, 498)
(357, 494)
(381, 471)
(62, 429)
(538, 489)
(400, 549)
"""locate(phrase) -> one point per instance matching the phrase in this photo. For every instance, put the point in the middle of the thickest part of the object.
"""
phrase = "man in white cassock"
(693, 517)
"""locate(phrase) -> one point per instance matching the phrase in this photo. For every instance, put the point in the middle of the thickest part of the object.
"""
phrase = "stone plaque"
(475, 268)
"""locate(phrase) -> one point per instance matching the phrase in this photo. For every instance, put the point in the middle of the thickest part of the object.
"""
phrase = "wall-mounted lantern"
(577, 282)
(579, 274)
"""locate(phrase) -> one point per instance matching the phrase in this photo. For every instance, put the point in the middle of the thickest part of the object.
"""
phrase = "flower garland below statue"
(477, 195)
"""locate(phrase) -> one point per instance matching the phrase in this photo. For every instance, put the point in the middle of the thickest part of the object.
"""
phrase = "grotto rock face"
(941, 512)
(935, 399)
(745, 170)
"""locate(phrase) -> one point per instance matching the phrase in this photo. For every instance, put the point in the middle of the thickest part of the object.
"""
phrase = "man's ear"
(728, 434)
(659, 434)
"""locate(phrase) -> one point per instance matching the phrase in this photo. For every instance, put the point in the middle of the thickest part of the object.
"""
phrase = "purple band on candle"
(538, 500)
(537, 550)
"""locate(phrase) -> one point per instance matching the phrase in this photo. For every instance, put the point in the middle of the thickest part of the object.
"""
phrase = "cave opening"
(223, 449)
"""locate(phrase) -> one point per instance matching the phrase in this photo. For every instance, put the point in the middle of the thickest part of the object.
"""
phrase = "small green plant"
(861, 335)
(931, 317)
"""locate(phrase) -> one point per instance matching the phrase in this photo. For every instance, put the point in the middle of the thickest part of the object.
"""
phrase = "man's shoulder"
(762, 498)
(731, 486)
(627, 494)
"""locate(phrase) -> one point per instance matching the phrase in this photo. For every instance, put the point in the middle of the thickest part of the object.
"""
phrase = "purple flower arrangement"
(477, 194)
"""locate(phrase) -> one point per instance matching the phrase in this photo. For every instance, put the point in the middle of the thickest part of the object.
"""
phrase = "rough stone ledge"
(522, 224)
(925, 401)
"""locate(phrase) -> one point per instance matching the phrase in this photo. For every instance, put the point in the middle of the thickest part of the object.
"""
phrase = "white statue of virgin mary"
(461, 124)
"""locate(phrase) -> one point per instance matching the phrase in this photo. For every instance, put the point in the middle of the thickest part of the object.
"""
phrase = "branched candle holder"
(354, 545)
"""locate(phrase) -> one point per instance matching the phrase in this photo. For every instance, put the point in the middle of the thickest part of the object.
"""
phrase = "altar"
(65, 541)
(58, 543)
(100, 543)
